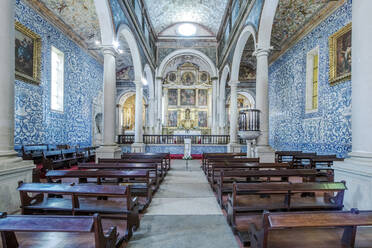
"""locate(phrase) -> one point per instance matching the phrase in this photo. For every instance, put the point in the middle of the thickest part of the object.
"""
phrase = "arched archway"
(105, 22)
(266, 24)
(161, 73)
(149, 79)
(126, 32)
(238, 52)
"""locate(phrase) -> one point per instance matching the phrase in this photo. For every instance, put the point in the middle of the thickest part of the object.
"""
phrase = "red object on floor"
(180, 156)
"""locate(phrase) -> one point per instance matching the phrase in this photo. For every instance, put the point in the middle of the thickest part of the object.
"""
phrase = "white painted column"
(214, 105)
(151, 114)
(265, 153)
(210, 110)
(159, 96)
(222, 113)
(357, 170)
(12, 168)
(109, 149)
(138, 127)
(165, 95)
(233, 146)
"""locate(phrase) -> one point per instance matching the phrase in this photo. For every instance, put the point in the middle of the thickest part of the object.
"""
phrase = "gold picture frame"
(27, 54)
(340, 55)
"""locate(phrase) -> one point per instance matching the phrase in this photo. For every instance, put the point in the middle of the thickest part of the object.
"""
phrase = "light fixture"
(97, 42)
(116, 44)
(121, 51)
(144, 81)
(186, 29)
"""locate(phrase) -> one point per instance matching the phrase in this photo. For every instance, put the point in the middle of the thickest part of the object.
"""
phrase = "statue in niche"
(188, 78)
(187, 123)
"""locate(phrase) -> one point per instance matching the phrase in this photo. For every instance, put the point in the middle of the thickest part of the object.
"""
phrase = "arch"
(247, 93)
(222, 113)
(223, 81)
(106, 24)
(181, 52)
(151, 113)
(238, 52)
(148, 75)
(126, 32)
(266, 24)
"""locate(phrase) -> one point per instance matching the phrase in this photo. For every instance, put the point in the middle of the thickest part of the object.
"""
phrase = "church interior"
(194, 123)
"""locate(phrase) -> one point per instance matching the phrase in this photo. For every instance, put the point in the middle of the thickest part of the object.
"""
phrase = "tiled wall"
(83, 79)
(329, 129)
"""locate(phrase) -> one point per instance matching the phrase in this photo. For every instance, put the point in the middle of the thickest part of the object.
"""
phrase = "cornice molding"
(307, 28)
(46, 13)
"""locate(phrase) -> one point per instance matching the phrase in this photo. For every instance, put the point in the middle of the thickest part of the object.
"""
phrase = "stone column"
(265, 152)
(109, 149)
(152, 114)
(210, 110)
(138, 145)
(357, 170)
(165, 94)
(159, 95)
(12, 168)
(214, 106)
(222, 114)
(233, 146)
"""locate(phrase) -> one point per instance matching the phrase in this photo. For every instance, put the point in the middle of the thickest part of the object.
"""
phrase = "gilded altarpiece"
(188, 94)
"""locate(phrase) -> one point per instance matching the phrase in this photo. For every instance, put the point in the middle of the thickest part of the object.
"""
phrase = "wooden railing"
(178, 139)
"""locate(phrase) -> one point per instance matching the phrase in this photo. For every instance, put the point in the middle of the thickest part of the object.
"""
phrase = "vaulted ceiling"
(79, 15)
(208, 13)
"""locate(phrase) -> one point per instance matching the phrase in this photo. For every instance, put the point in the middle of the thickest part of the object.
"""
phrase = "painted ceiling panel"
(79, 15)
(208, 13)
(292, 15)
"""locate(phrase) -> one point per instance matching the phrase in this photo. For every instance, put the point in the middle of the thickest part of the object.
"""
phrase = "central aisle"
(184, 213)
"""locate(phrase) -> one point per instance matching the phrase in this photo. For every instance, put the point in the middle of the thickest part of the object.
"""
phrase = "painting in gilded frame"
(172, 97)
(340, 55)
(202, 97)
(202, 119)
(172, 118)
(187, 97)
(27, 54)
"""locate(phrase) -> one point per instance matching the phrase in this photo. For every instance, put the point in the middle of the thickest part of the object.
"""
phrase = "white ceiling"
(208, 13)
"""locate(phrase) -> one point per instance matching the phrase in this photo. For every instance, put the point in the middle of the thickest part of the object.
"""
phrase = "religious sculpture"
(187, 123)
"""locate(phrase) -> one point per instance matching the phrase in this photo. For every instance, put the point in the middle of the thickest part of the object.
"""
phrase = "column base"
(12, 170)
(138, 147)
(233, 148)
(266, 154)
(111, 151)
(357, 172)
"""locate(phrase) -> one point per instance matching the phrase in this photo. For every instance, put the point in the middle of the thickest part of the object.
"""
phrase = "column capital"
(110, 50)
(262, 52)
(234, 83)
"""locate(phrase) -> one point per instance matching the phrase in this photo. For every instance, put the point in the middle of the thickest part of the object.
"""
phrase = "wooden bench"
(164, 156)
(126, 166)
(162, 168)
(231, 160)
(246, 199)
(277, 222)
(33, 152)
(286, 156)
(207, 156)
(81, 199)
(225, 183)
(216, 168)
(324, 161)
(139, 180)
(302, 160)
(12, 224)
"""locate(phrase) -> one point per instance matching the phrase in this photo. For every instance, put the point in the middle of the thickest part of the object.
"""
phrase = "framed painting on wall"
(202, 119)
(172, 97)
(172, 118)
(340, 55)
(27, 54)
(202, 97)
(187, 97)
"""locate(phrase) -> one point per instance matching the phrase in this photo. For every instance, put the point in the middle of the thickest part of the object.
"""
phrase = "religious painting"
(188, 78)
(340, 55)
(204, 77)
(125, 73)
(172, 76)
(202, 119)
(172, 118)
(202, 97)
(27, 54)
(187, 97)
(246, 73)
(172, 97)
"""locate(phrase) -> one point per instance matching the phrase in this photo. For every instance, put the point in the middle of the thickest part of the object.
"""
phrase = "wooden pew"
(324, 160)
(287, 155)
(164, 156)
(141, 180)
(81, 199)
(12, 224)
(207, 156)
(231, 160)
(127, 166)
(216, 168)
(33, 152)
(225, 183)
(299, 159)
(245, 200)
(348, 220)
(162, 169)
